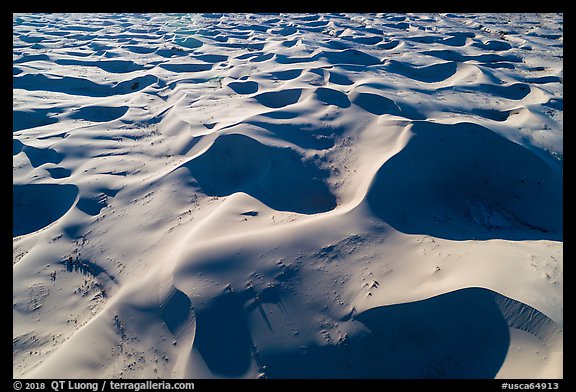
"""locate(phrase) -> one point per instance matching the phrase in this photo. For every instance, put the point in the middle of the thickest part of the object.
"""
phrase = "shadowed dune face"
(277, 177)
(461, 334)
(309, 136)
(186, 67)
(223, 336)
(59, 172)
(176, 310)
(429, 74)
(340, 79)
(332, 97)
(288, 74)
(515, 91)
(37, 156)
(80, 86)
(279, 99)
(465, 182)
(35, 206)
(99, 113)
(17, 146)
(91, 206)
(487, 58)
(379, 105)
(349, 56)
(248, 87)
(188, 42)
(23, 119)
(112, 66)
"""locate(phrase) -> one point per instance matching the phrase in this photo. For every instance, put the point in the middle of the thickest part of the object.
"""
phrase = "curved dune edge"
(468, 333)
(35, 206)
(462, 181)
(290, 195)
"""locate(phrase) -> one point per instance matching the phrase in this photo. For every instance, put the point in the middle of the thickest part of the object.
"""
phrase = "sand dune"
(287, 196)
(471, 177)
